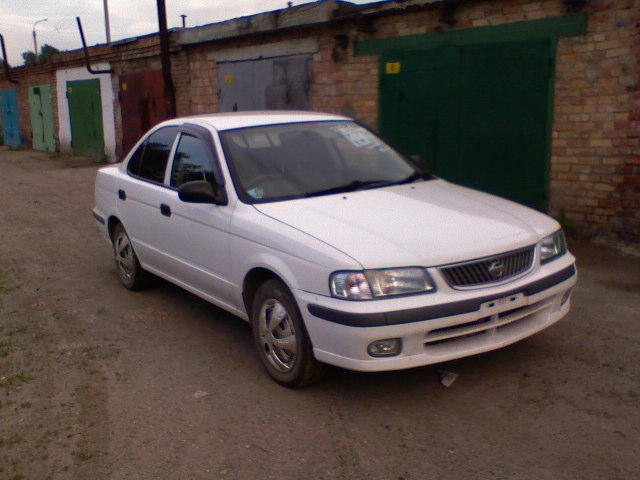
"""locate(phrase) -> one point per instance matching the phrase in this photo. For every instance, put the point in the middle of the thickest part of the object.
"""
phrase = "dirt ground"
(97, 382)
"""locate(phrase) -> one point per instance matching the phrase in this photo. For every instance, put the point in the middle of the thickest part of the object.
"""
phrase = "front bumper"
(452, 325)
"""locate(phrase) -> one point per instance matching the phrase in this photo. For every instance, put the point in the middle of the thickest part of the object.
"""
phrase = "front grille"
(489, 270)
(487, 325)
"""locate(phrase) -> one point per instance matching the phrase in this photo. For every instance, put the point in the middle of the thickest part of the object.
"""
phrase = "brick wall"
(26, 79)
(595, 164)
(593, 140)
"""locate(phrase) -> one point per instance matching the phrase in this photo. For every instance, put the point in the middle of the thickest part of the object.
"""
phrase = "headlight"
(370, 284)
(552, 246)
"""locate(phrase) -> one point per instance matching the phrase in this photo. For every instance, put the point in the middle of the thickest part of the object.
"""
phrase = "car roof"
(232, 120)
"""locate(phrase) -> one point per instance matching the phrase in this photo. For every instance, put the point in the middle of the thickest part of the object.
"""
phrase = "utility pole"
(107, 28)
(184, 23)
(35, 41)
(169, 92)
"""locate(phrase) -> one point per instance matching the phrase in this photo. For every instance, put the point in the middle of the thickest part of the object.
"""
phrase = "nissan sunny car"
(335, 247)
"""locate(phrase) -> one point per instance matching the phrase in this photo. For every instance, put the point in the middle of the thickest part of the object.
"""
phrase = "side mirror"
(201, 191)
(420, 161)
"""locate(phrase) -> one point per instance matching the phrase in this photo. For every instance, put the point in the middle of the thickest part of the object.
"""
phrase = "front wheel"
(281, 338)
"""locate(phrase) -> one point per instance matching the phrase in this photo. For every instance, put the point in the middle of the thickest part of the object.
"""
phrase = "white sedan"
(334, 246)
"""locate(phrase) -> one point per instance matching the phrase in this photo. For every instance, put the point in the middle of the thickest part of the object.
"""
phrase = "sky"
(128, 18)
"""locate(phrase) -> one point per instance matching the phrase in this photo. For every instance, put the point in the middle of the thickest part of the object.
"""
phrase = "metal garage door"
(267, 84)
(479, 114)
(40, 105)
(142, 105)
(10, 117)
(85, 112)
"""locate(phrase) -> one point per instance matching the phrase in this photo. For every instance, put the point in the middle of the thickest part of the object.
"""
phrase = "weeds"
(15, 380)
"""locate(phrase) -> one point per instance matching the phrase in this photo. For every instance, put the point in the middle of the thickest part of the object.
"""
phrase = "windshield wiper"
(360, 185)
(415, 176)
(350, 187)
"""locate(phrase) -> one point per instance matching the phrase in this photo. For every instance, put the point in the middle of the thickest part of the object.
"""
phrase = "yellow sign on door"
(393, 68)
(228, 79)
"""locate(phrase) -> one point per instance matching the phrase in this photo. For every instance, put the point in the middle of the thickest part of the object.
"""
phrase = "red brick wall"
(26, 79)
(595, 165)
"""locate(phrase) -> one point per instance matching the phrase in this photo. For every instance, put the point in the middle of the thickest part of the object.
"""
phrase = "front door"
(479, 114)
(85, 112)
(196, 236)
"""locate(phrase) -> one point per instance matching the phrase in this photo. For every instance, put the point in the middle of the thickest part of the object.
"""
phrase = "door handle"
(165, 209)
(122, 195)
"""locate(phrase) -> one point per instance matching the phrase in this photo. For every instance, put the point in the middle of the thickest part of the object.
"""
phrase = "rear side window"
(192, 162)
(151, 163)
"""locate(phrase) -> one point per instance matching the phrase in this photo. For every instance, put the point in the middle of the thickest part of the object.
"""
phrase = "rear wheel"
(131, 274)
(280, 337)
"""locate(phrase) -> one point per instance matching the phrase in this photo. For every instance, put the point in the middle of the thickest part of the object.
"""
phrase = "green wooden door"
(85, 112)
(40, 105)
(479, 114)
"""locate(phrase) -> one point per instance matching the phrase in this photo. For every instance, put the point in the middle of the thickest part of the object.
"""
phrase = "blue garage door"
(10, 117)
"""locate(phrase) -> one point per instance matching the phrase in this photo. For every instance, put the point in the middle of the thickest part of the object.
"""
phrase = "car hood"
(427, 223)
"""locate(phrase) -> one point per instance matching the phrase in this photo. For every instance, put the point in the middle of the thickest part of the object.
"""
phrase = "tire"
(131, 274)
(284, 348)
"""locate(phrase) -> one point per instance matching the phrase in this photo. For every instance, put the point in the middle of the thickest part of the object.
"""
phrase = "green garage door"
(85, 112)
(479, 114)
(40, 105)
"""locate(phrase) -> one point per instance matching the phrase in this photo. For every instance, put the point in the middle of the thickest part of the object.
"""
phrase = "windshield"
(297, 160)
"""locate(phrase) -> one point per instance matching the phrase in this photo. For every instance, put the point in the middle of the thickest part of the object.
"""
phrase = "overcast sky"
(129, 18)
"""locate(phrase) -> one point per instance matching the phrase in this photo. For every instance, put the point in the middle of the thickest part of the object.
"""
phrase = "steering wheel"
(261, 179)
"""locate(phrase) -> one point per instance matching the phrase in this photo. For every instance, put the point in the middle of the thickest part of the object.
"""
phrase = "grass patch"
(10, 441)
(5, 287)
(16, 331)
(83, 455)
(15, 380)
(5, 348)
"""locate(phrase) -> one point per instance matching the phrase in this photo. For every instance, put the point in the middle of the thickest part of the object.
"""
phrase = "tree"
(29, 58)
(46, 51)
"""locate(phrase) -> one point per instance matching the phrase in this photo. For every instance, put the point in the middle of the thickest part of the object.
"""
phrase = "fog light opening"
(565, 298)
(385, 348)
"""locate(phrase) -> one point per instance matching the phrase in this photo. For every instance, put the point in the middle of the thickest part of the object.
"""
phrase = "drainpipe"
(7, 70)
(169, 91)
(86, 52)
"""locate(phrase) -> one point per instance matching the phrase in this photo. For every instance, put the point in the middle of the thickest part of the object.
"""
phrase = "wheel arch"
(252, 281)
(111, 225)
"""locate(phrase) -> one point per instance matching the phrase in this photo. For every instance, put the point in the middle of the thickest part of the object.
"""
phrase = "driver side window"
(150, 160)
(192, 162)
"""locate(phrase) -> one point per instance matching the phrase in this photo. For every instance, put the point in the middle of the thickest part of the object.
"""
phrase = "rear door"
(139, 198)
